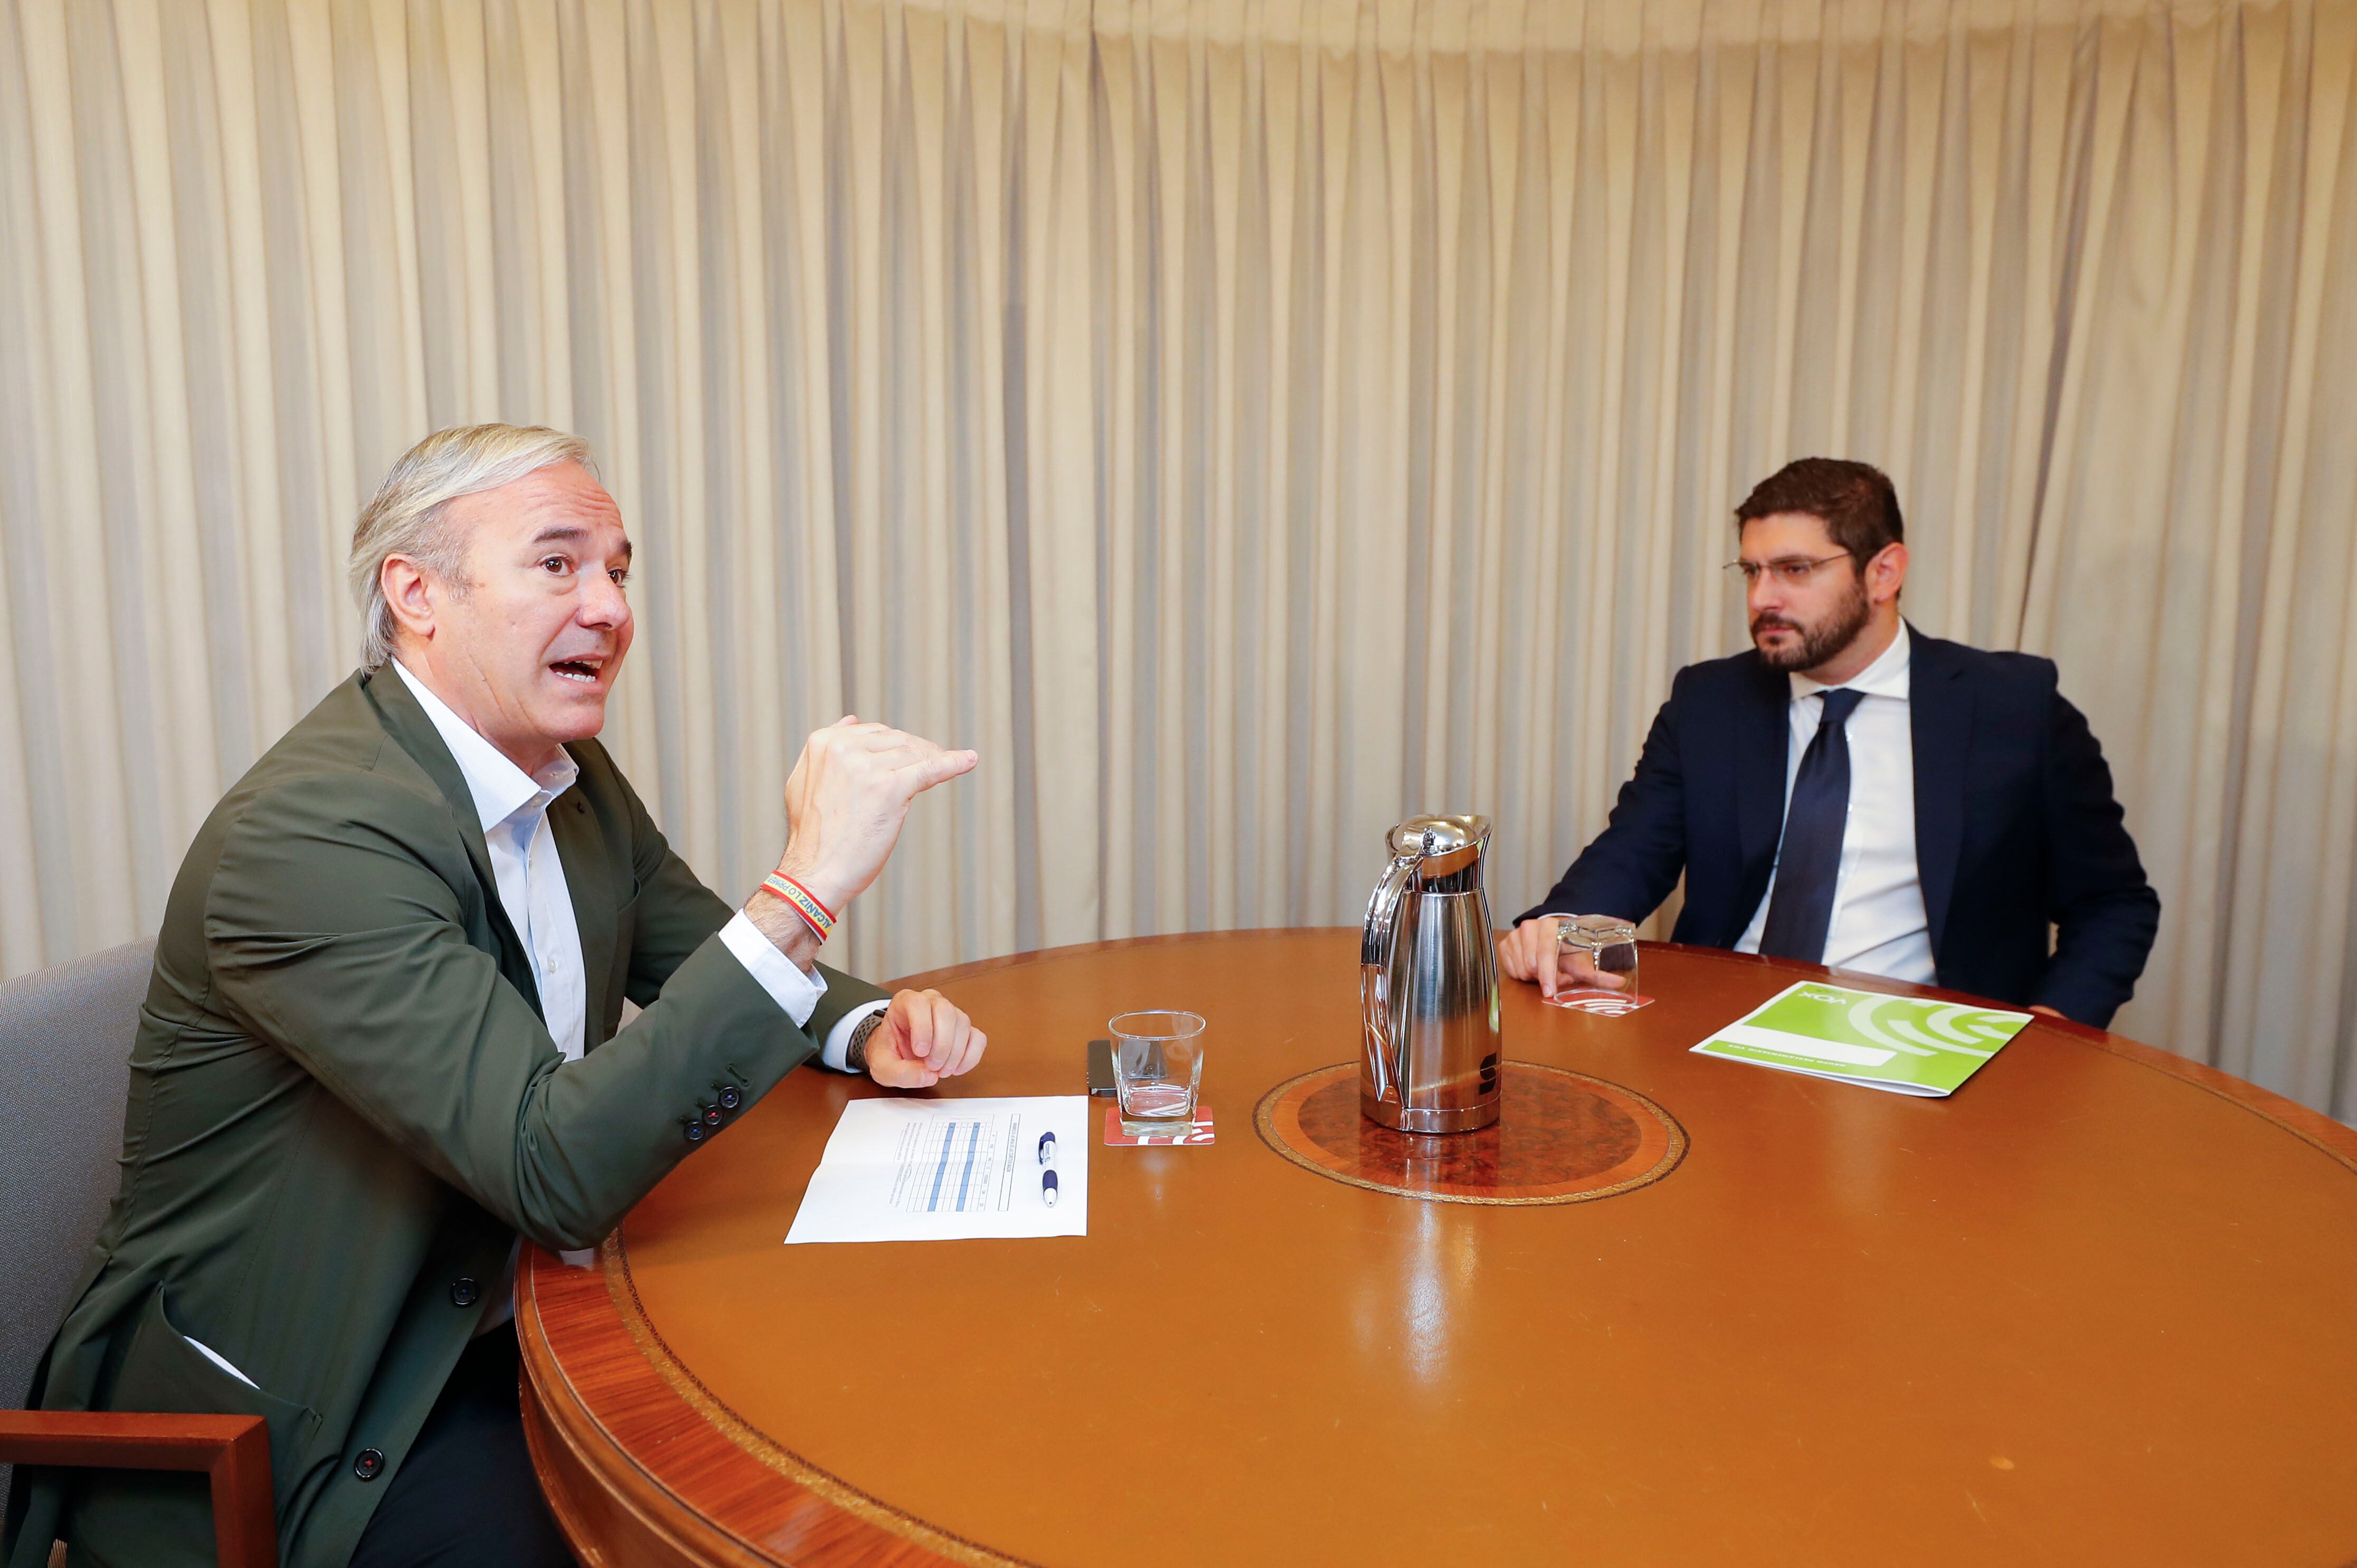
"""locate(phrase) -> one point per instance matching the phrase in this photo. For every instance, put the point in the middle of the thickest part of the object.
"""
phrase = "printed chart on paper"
(957, 1166)
(941, 1170)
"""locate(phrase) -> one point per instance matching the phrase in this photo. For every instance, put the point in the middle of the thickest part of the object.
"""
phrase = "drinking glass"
(1158, 1065)
(1609, 944)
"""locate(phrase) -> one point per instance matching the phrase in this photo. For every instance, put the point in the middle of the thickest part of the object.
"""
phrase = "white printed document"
(943, 1170)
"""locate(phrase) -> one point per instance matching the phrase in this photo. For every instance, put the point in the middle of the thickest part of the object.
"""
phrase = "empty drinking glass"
(1158, 1065)
(1609, 944)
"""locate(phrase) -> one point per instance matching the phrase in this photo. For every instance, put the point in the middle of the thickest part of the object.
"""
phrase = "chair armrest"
(123, 1440)
(232, 1450)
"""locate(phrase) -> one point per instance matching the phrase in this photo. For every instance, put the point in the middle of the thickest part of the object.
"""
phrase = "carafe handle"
(1374, 972)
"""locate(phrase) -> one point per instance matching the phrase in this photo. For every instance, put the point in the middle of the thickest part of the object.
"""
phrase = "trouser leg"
(466, 1495)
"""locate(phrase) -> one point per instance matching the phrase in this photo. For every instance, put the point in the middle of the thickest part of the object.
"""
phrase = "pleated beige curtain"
(1244, 420)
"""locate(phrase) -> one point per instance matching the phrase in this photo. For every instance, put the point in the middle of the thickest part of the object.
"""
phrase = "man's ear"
(412, 594)
(1887, 572)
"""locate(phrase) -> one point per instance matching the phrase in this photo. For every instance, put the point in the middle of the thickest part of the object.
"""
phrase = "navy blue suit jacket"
(2015, 826)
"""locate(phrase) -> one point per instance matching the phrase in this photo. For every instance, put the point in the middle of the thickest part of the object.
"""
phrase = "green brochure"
(1908, 1045)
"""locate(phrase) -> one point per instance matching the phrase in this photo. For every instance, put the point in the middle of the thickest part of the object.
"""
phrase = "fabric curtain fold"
(1246, 422)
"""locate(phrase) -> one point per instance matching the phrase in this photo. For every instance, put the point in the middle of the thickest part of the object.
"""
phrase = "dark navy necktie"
(1801, 906)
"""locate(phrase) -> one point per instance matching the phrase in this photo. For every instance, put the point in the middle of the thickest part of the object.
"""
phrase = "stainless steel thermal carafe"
(1428, 982)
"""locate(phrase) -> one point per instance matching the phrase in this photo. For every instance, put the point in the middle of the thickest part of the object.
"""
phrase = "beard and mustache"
(1820, 641)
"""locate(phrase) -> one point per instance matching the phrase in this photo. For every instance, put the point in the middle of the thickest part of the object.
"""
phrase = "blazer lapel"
(581, 850)
(415, 734)
(1763, 742)
(1940, 710)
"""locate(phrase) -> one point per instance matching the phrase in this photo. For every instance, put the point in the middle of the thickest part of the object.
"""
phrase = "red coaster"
(1196, 1132)
(1603, 1003)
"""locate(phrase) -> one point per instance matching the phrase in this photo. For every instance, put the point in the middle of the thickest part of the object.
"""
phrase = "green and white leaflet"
(1907, 1044)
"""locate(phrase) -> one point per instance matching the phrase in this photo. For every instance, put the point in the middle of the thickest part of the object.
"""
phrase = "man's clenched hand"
(924, 1038)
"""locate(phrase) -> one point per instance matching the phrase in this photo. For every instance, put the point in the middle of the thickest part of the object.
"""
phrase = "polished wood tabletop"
(2100, 1306)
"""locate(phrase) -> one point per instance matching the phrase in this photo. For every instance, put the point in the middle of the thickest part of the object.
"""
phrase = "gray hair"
(406, 517)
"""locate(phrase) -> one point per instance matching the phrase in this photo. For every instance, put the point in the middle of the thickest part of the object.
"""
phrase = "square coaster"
(1601, 1003)
(1196, 1132)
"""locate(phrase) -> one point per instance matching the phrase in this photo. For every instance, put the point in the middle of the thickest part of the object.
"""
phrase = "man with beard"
(1854, 793)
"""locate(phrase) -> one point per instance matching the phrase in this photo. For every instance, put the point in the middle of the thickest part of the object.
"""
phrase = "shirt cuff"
(776, 974)
(837, 1049)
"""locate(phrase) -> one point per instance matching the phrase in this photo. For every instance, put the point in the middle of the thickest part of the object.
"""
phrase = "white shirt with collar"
(511, 807)
(1879, 925)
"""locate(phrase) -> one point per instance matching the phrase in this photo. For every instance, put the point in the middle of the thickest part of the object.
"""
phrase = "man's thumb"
(949, 765)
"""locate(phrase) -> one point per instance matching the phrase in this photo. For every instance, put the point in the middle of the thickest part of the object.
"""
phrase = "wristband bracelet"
(814, 913)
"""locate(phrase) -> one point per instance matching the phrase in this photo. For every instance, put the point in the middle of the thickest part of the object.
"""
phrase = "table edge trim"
(622, 1286)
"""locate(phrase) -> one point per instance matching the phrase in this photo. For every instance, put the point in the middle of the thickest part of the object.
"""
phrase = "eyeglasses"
(1792, 571)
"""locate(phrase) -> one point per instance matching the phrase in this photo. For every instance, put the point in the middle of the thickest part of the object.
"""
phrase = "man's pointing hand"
(847, 798)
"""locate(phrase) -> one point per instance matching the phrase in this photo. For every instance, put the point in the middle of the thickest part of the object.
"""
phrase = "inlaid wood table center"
(1560, 1137)
(2095, 1308)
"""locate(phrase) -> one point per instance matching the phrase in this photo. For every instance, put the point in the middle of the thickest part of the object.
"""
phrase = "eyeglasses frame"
(1784, 566)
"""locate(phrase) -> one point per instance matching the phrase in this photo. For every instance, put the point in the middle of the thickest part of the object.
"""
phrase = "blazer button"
(712, 1114)
(367, 1464)
(464, 1292)
(695, 1131)
(729, 1099)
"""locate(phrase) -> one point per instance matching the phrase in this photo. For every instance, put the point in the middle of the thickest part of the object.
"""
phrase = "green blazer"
(344, 1106)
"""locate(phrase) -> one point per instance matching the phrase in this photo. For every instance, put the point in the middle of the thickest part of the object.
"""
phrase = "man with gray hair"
(384, 1037)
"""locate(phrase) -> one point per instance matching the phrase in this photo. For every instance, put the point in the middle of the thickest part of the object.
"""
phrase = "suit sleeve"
(677, 914)
(2105, 912)
(336, 931)
(1635, 862)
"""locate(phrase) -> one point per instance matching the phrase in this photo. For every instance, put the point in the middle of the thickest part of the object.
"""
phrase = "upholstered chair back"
(65, 1053)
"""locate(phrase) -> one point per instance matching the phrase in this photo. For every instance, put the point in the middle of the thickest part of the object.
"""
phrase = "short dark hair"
(1856, 501)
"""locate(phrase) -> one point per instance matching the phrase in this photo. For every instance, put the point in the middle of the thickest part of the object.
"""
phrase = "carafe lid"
(1446, 844)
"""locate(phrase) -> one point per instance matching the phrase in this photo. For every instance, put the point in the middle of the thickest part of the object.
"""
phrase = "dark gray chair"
(65, 1052)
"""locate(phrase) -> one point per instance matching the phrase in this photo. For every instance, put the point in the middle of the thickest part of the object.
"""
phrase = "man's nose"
(603, 604)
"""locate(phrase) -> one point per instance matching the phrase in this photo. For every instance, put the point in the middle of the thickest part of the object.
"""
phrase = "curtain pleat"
(1246, 422)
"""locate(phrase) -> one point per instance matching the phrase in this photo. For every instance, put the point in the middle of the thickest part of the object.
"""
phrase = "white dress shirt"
(1878, 924)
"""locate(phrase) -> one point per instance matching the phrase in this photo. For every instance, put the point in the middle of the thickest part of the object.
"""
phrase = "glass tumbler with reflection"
(1607, 942)
(1157, 1067)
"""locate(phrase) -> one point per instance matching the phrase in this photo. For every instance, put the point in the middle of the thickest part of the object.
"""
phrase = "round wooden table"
(2100, 1307)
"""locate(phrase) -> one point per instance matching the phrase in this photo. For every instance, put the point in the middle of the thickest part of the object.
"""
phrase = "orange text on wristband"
(813, 912)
